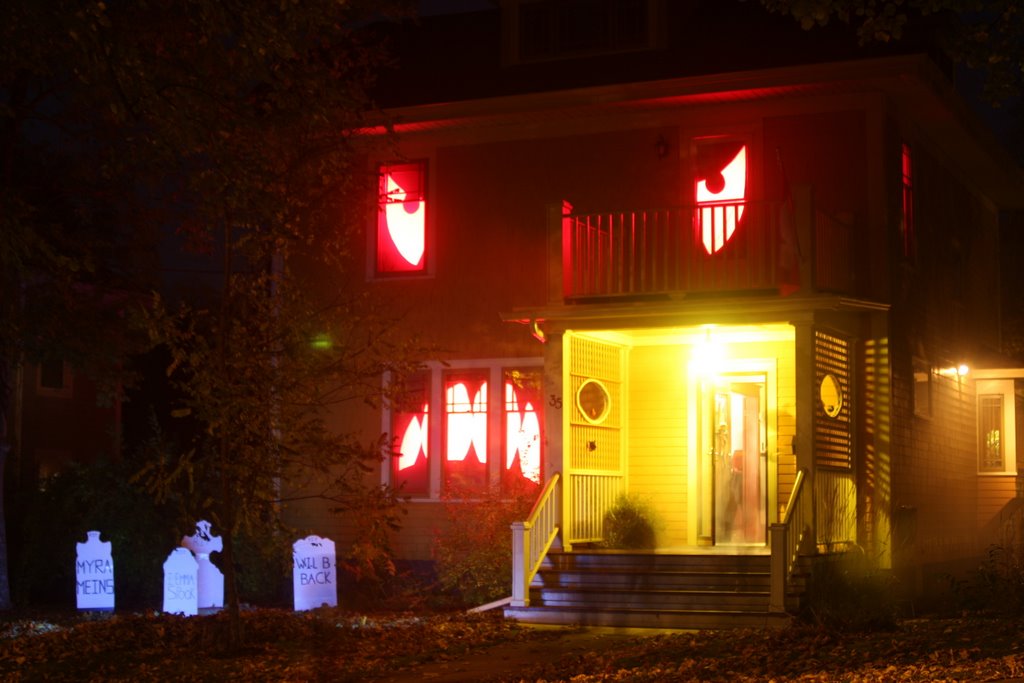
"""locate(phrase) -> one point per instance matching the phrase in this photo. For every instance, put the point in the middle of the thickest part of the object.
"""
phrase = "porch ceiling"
(689, 312)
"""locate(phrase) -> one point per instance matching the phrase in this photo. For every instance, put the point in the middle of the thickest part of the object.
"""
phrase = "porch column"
(803, 441)
(554, 415)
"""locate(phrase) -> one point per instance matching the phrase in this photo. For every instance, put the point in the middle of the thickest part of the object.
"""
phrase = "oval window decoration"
(593, 401)
(831, 393)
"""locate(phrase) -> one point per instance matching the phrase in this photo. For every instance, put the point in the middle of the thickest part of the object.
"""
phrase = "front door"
(732, 471)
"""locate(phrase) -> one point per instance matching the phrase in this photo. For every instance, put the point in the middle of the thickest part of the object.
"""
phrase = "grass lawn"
(335, 645)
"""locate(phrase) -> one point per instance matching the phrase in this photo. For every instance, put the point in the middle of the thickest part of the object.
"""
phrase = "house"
(689, 252)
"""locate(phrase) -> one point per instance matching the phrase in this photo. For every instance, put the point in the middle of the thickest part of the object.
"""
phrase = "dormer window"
(402, 218)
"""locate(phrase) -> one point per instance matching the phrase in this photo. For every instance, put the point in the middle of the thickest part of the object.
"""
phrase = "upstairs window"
(907, 203)
(720, 190)
(402, 218)
(542, 30)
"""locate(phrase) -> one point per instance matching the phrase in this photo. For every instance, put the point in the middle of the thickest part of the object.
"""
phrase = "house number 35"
(555, 402)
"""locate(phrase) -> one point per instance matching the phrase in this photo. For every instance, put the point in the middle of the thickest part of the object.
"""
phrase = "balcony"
(727, 247)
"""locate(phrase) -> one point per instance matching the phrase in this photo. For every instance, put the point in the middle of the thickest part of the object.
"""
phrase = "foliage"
(401, 646)
(996, 586)
(847, 593)
(629, 524)
(473, 550)
(230, 125)
(986, 35)
(93, 497)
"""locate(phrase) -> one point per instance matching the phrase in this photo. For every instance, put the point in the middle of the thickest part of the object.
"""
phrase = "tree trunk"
(235, 636)
(5, 403)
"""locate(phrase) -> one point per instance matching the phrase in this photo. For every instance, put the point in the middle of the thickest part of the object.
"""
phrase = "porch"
(688, 587)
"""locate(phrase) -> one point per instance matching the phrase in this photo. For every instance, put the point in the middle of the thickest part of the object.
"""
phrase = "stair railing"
(786, 539)
(532, 538)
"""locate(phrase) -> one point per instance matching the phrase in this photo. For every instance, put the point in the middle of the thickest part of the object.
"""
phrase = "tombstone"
(313, 573)
(210, 595)
(94, 574)
(180, 589)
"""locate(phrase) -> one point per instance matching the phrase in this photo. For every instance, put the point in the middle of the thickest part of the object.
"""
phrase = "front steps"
(643, 589)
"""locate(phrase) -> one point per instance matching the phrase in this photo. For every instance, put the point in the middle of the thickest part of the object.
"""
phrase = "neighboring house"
(690, 252)
(58, 419)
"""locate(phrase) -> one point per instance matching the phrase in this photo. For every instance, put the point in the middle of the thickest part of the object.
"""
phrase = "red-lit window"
(523, 411)
(402, 218)
(465, 450)
(907, 205)
(720, 190)
(410, 427)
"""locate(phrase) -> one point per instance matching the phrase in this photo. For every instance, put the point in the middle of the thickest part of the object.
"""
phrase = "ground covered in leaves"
(334, 645)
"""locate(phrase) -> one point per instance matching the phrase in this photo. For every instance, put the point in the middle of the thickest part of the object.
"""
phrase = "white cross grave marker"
(210, 594)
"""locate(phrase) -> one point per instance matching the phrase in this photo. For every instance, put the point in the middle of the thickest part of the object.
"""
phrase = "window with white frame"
(486, 433)
(996, 433)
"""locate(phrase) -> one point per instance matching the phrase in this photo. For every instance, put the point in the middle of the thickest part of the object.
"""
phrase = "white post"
(777, 541)
(520, 564)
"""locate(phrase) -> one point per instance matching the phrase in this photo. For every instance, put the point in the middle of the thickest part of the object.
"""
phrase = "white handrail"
(786, 538)
(532, 538)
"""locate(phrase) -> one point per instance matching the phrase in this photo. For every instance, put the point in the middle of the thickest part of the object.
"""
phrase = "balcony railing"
(725, 247)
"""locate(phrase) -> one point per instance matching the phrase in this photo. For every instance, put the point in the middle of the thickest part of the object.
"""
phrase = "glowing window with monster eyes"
(402, 218)
(410, 428)
(720, 191)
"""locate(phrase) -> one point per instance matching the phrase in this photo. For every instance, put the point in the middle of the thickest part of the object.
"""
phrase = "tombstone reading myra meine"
(210, 593)
(313, 576)
(94, 574)
(180, 595)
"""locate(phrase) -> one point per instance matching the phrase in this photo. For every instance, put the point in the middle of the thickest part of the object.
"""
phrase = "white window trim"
(1003, 387)
(495, 369)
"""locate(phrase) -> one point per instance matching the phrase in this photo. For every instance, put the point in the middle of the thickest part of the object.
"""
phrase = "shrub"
(846, 593)
(996, 586)
(473, 552)
(628, 524)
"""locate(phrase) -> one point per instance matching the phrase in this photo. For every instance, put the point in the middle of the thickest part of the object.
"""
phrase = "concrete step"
(636, 618)
(651, 589)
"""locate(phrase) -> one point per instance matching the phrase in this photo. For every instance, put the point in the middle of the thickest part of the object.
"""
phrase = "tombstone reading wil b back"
(94, 574)
(210, 593)
(180, 583)
(313, 576)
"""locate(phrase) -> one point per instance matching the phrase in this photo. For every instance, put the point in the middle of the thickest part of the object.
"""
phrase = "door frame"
(768, 367)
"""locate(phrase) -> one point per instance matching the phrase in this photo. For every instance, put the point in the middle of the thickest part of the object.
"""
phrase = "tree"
(985, 35)
(231, 123)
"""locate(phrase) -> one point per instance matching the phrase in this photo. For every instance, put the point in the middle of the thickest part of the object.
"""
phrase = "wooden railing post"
(520, 584)
(777, 543)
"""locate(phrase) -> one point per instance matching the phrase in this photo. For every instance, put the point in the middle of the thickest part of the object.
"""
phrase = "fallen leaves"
(286, 646)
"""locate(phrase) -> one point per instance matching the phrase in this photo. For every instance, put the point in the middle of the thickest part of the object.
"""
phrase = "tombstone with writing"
(211, 581)
(313, 573)
(94, 574)
(180, 589)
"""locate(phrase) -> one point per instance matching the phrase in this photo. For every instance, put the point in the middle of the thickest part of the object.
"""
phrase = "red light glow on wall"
(401, 220)
(720, 193)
